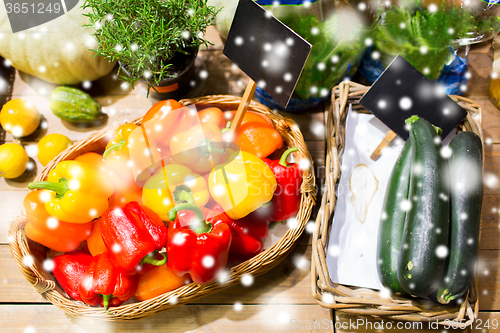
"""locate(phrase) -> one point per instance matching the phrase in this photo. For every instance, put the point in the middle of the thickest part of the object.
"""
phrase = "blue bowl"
(295, 105)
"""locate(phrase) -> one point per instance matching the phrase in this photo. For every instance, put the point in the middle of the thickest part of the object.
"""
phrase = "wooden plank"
(491, 119)
(350, 323)
(491, 169)
(489, 280)
(192, 318)
(480, 74)
(267, 318)
(14, 288)
(490, 231)
(287, 283)
(11, 204)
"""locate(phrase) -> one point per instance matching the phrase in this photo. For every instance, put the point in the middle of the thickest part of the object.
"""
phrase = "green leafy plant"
(425, 37)
(152, 39)
(338, 45)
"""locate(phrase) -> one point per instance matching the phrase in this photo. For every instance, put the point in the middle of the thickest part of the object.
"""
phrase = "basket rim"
(364, 301)
(257, 265)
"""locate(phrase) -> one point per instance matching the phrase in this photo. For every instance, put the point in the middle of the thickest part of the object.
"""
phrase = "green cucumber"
(422, 256)
(466, 193)
(392, 221)
(74, 105)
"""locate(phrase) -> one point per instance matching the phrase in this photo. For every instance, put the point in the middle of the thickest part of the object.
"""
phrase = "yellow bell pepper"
(117, 153)
(78, 192)
(242, 184)
(174, 184)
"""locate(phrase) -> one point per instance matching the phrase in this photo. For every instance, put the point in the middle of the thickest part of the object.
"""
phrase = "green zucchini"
(422, 256)
(466, 193)
(74, 105)
(392, 221)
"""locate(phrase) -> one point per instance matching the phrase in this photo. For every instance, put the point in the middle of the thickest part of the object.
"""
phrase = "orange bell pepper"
(158, 281)
(94, 242)
(125, 189)
(161, 122)
(257, 135)
(47, 230)
(198, 148)
(125, 192)
(95, 160)
(213, 115)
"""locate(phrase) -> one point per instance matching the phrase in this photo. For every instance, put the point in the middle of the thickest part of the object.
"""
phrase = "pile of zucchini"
(428, 239)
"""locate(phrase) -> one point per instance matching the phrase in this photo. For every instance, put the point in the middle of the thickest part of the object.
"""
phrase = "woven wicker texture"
(45, 284)
(364, 301)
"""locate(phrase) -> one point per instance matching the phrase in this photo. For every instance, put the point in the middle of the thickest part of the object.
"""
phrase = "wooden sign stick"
(242, 109)
(387, 140)
(238, 118)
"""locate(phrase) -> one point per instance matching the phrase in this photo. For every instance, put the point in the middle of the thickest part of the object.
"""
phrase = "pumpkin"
(226, 10)
(56, 51)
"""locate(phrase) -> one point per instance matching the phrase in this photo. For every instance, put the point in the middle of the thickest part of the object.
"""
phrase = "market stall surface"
(279, 300)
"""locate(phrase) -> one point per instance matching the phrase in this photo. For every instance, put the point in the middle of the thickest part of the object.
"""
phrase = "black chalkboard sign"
(269, 52)
(402, 91)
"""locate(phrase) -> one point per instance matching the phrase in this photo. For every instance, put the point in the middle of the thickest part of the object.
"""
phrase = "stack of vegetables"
(120, 239)
(429, 230)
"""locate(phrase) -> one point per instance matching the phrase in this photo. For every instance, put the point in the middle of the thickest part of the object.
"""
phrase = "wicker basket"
(46, 286)
(364, 301)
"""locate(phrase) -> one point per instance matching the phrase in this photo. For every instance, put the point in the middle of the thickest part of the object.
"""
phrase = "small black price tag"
(402, 91)
(26, 14)
(267, 51)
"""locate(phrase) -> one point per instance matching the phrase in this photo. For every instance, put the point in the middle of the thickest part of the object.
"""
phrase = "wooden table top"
(279, 300)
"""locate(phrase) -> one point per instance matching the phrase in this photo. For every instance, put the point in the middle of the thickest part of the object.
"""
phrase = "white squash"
(224, 18)
(56, 51)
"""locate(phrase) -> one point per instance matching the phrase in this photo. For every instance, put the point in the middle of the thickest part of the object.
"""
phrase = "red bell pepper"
(198, 242)
(69, 270)
(105, 284)
(151, 221)
(131, 234)
(286, 199)
(247, 233)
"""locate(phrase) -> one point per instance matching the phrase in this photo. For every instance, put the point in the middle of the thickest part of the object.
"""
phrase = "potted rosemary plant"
(154, 41)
